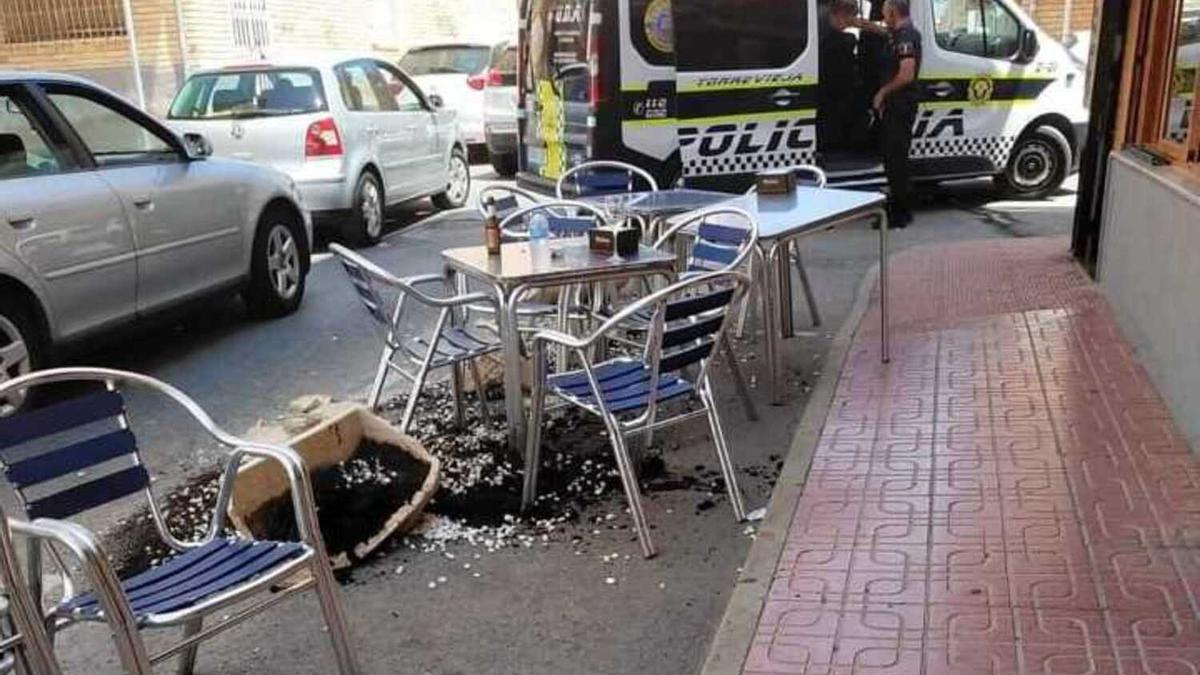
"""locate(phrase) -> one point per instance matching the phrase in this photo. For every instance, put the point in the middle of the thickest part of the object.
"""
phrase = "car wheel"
(21, 350)
(1037, 166)
(459, 186)
(280, 266)
(505, 165)
(365, 227)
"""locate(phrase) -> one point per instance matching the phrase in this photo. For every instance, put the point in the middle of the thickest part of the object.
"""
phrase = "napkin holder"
(776, 182)
(624, 242)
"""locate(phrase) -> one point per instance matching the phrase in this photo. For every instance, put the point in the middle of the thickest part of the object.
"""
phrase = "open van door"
(556, 85)
(746, 79)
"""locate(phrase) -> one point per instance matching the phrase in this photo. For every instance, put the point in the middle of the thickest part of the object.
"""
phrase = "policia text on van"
(714, 91)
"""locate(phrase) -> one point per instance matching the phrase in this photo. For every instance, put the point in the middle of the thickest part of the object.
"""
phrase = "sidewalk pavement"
(1009, 495)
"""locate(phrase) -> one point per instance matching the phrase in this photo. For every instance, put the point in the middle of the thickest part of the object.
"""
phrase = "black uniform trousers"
(899, 115)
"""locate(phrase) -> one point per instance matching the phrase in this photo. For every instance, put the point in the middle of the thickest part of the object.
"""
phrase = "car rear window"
(456, 60)
(267, 92)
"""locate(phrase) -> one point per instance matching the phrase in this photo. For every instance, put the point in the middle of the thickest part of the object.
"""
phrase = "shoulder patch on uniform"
(905, 48)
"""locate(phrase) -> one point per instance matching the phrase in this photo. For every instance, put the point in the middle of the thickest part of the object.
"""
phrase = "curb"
(731, 644)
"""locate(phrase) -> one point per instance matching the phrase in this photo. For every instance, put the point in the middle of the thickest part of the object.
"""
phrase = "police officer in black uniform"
(896, 104)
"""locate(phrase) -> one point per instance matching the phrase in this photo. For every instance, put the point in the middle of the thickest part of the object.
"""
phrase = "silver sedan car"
(355, 132)
(106, 216)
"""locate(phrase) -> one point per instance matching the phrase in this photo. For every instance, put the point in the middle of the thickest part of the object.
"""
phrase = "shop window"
(1163, 79)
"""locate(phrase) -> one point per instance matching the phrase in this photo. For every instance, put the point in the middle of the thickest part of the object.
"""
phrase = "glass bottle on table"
(491, 228)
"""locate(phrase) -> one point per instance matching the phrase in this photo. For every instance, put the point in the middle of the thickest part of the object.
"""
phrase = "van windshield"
(267, 92)
(558, 33)
(449, 60)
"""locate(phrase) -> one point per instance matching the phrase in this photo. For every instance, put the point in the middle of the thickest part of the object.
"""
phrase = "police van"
(711, 92)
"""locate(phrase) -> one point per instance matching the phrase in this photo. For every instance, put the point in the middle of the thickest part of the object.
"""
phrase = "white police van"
(713, 91)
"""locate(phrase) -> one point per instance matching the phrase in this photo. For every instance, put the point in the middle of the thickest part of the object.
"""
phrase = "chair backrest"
(364, 284)
(564, 218)
(605, 177)
(72, 456)
(812, 176)
(722, 238)
(507, 199)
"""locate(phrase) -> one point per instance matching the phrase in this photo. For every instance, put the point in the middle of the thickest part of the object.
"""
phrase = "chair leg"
(809, 296)
(727, 468)
(187, 658)
(335, 620)
(485, 411)
(629, 481)
(739, 380)
(456, 383)
(411, 406)
(380, 378)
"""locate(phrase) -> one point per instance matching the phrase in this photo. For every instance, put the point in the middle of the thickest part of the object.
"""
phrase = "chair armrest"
(80, 541)
(426, 279)
(563, 339)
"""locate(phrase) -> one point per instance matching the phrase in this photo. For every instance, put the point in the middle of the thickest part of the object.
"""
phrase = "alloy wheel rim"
(283, 262)
(459, 180)
(372, 209)
(14, 362)
(1033, 165)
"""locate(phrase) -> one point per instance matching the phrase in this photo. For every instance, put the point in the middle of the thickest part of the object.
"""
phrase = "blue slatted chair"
(566, 219)
(448, 346)
(80, 454)
(604, 177)
(629, 393)
(507, 199)
(25, 645)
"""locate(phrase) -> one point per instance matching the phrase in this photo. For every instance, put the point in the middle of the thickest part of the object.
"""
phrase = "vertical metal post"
(134, 59)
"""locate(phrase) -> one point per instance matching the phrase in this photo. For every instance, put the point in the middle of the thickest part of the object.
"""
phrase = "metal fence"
(34, 21)
(251, 23)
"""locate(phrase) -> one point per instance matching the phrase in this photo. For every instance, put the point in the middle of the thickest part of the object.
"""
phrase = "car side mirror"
(198, 146)
(1029, 46)
(437, 101)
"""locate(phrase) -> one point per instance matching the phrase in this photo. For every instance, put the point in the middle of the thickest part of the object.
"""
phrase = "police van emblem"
(980, 90)
(660, 26)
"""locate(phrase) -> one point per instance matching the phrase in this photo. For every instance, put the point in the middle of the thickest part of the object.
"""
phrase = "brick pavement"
(1010, 495)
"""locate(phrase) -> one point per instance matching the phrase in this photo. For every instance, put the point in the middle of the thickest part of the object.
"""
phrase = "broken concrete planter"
(330, 442)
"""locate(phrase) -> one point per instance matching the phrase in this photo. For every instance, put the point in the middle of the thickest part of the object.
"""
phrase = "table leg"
(514, 398)
(883, 287)
(771, 321)
(781, 261)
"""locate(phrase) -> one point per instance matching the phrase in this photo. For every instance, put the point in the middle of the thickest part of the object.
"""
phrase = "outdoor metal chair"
(627, 393)
(604, 177)
(80, 454)
(24, 645)
(565, 219)
(448, 345)
(507, 199)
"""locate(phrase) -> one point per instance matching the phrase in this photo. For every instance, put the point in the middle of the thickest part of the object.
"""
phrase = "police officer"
(896, 104)
(837, 124)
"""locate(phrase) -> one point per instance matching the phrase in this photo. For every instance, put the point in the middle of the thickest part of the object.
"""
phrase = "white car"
(107, 218)
(459, 73)
(354, 132)
(500, 113)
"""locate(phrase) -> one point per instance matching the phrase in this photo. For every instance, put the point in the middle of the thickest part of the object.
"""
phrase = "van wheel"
(22, 349)
(458, 187)
(279, 268)
(1038, 165)
(365, 226)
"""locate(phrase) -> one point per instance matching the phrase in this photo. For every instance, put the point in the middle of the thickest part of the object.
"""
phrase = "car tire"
(1037, 165)
(279, 268)
(22, 349)
(365, 226)
(505, 164)
(459, 187)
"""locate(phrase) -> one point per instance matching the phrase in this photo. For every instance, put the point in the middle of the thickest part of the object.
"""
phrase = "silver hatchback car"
(355, 132)
(106, 216)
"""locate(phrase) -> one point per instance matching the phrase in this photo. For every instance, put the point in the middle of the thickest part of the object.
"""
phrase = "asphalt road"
(545, 609)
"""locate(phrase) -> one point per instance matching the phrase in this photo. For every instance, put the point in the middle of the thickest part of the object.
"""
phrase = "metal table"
(782, 219)
(522, 267)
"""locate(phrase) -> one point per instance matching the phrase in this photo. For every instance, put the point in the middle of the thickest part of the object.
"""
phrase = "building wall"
(1052, 15)
(1151, 274)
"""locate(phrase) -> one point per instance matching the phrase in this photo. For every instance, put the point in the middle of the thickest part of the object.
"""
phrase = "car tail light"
(323, 139)
(488, 78)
